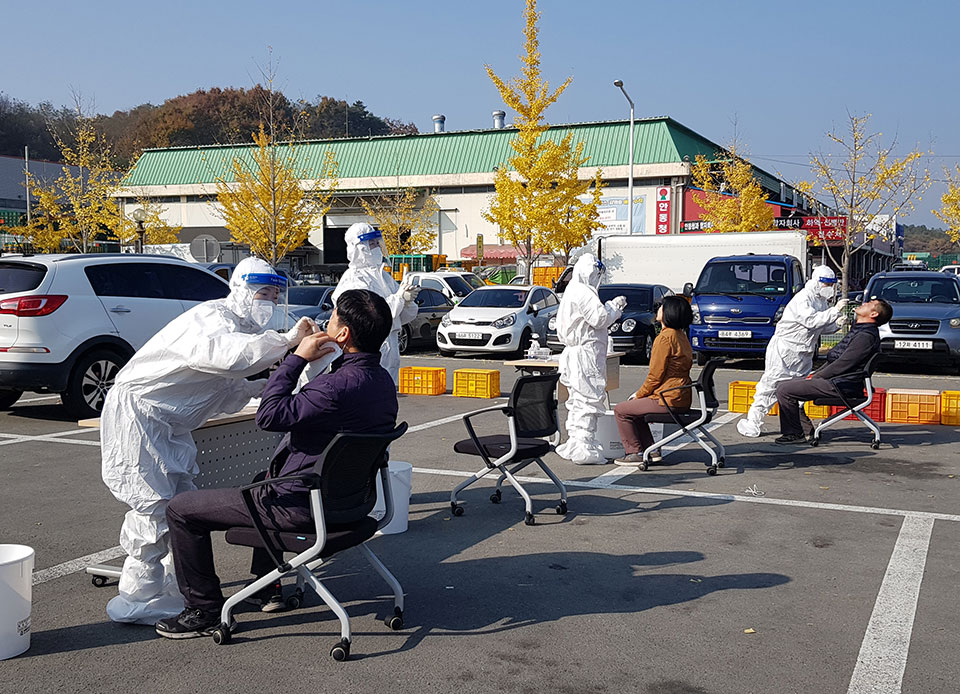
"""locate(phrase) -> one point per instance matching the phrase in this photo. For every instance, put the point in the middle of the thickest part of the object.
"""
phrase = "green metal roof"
(657, 141)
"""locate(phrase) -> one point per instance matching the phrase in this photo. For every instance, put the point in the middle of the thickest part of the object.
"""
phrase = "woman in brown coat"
(670, 361)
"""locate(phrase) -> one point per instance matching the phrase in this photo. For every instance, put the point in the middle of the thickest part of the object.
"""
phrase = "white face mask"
(827, 291)
(261, 312)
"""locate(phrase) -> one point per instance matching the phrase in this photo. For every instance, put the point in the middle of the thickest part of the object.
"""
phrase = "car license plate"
(913, 344)
(470, 336)
(736, 334)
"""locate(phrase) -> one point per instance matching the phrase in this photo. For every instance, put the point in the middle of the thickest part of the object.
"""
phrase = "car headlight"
(629, 325)
(696, 314)
(778, 315)
(445, 321)
(955, 322)
(614, 327)
(552, 323)
(505, 322)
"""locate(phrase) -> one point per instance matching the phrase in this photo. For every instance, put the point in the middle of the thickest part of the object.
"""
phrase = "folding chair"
(531, 414)
(851, 404)
(341, 498)
(693, 423)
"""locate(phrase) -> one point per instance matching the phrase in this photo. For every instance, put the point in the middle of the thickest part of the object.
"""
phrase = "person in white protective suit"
(582, 322)
(192, 369)
(791, 350)
(365, 253)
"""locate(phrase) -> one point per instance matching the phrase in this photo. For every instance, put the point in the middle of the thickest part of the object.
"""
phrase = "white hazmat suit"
(192, 369)
(582, 322)
(365, 254)
(791, 350)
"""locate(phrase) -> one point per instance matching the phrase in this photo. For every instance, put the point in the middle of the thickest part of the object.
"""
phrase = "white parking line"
(883, 653)
(54, 437)
(74, 565)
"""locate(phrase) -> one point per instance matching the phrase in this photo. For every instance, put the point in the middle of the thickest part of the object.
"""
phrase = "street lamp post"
(139, 216)
(619, 84)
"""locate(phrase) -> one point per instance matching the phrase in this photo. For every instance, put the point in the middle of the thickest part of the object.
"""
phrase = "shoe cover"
(747, 427)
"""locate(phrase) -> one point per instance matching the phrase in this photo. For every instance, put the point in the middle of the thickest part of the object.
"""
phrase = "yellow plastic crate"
(544, 276)
(476, 383)
(950, 407)
(740, 397)
(909, 406)
(816, 411)
(423, 380)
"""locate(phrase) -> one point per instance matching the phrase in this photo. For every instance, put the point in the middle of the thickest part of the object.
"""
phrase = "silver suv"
(68, 323)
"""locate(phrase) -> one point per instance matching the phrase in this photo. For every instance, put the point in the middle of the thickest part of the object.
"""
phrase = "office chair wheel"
(341, 651)
(221, 635)
(712, 470)
(722, 462)
(294, 601)
(530, 520)
(496, 496)
(456, 509)
(395, 621)
(644, 465)
(815, 441)
(99, 581)
(875, 445)
(562, 508)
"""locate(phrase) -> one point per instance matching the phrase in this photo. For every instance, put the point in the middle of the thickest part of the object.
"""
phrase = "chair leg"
(699, 438)
(528, 503)
(829, 422)
(247, 591)
(514, 470)
(720, 449)
(385, 575)
(330, 601)
(872, 425)
(556, 480)
(479, 474)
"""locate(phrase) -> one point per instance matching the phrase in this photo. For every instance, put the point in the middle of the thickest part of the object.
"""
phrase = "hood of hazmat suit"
(791, 350)
(193, 368)
(365, 253)
(582, 322)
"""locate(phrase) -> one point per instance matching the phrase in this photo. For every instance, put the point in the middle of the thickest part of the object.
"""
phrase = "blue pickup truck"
(737, 302)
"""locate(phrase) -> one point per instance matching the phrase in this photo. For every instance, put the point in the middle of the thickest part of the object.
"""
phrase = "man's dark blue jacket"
(359, 397)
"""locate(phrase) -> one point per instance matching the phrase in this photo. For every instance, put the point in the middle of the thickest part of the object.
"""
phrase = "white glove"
(410, 293)
(305, 326)
(843, 320)
(619, 302)
(843, 303)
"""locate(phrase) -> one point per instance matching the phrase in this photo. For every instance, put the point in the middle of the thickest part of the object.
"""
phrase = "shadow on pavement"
(50, 413)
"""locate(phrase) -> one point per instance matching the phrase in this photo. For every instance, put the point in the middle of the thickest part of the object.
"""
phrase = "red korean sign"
(663, 210)
(823, 229)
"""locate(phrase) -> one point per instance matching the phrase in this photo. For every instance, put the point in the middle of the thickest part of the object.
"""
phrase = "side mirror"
(326, 306)
(688, 289)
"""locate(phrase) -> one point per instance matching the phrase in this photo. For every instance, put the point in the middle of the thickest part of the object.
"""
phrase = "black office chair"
(851, 404)
(693, 423)
(531, 414)
(342, 496)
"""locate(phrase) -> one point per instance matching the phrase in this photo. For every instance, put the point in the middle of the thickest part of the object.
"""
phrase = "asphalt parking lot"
(794, 570)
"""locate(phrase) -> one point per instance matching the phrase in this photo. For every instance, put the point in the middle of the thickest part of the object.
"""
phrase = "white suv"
(68, 323)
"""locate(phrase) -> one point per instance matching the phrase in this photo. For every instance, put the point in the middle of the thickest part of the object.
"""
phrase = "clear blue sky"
(786, 72)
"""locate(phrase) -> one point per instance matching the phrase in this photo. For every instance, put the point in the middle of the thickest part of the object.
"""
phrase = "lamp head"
(618, 83)
(139, 215)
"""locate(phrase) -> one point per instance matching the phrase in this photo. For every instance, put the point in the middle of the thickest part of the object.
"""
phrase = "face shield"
(599, 269)
(827, 287)
(269, 293)
(373, 240)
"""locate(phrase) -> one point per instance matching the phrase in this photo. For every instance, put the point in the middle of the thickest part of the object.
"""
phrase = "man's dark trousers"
(789, 396)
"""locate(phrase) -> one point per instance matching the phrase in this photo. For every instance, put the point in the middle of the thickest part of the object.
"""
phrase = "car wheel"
(702, 358)
(524, 343)
(446, 353)
(403, 340)
(93, 375)
(8, 396)
(648, 348)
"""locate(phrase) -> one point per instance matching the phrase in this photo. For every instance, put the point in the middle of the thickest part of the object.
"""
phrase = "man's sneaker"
(791, 439)
(190, 624)
(269, 599)
(633, 459)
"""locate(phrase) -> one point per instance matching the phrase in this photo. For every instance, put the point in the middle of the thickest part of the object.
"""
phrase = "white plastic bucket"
(609, 438)
(401, 482)
(16, 592)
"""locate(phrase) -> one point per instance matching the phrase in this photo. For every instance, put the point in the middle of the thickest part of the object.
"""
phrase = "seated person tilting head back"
(358, 396)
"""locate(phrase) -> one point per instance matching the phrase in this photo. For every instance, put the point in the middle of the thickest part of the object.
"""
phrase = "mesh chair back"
(706, 382)
(348, 474)
(534, 405)
(871, 364)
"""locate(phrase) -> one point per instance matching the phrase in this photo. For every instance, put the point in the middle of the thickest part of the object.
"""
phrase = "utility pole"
(26, 175)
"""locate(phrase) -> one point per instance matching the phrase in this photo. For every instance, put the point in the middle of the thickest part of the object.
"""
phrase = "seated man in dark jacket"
(358, 396)
(849, 356)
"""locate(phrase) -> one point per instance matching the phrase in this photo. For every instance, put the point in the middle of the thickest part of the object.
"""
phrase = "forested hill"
(922, 239)
(207, 116)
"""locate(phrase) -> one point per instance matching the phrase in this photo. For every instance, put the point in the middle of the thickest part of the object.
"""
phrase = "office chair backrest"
(534, 405)
(348, 474)
(706, 382)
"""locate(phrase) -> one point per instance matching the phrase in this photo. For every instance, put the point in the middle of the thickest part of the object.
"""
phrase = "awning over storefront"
(491, 252)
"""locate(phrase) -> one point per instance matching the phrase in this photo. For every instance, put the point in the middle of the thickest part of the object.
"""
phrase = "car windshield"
(496, 298)
(637, 299)
(458, 285)
(20, 277)
(311, 296)
(743, 277)
(473, 280)
(916, 291)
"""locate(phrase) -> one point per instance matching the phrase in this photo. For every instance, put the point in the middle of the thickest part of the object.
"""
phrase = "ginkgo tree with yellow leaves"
(730, 195)
(156, 230)
(539, 202)
(861, 180)
(949, 212)
(407, 219)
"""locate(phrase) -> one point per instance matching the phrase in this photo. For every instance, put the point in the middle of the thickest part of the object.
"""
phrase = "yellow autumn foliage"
(407, 224)
(732, 198)
(156, 230)
(949, 212)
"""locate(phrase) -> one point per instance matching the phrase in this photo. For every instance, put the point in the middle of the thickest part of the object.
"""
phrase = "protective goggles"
(266, 278)
(827, 280)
